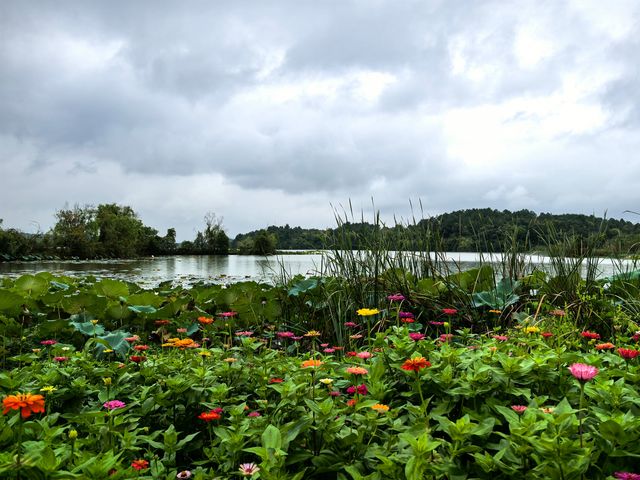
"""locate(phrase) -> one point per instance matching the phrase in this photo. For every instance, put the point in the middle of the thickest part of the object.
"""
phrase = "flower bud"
(73, 434)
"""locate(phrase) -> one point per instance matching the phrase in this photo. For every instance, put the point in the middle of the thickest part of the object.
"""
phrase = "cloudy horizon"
(269, 113)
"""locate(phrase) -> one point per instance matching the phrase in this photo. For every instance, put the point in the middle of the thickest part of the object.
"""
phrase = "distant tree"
(264, 243)
(75, 233)
(121, 233)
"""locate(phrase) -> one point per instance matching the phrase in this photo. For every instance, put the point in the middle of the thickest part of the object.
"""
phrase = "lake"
(189, 269)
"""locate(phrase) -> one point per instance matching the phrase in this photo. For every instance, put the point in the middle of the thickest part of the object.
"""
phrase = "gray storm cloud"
(268, 112)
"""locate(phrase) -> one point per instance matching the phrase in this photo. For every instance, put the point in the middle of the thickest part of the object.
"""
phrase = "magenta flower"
(329, 350)
(519, 409)
(334, 393)
(583, 372)
(254, 414)
(350, 324)
(359, 389)
(627, 476)
(446, 337)
(228, 314)
(396, 297)
(285, 334)
(48, 342)
(406, 315)
(449, 311)
(437, 324)
(113, 404)
(415, 336)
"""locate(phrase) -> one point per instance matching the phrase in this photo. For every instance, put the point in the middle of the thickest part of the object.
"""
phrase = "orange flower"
(605, 346)
(380, 407)
(25, 402)
(352, 402)
(416, 364)
(205, 320)
(357, 371)
(311, 363)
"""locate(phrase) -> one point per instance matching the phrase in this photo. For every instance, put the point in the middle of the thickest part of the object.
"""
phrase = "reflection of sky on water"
(233, 268)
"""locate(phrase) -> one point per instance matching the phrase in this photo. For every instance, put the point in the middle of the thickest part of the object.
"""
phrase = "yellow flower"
(205, 353)
(106, 380)
(35, 350)
(108, 350)
(95, 322)
(48, 389)
(73, 434)
(381, 408)
(312, 333)
(326, 381)
(230, 360)
(531, 330)
(366, 312)
(495, 311)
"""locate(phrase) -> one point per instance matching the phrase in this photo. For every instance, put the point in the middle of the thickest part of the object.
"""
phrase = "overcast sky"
(270, 112)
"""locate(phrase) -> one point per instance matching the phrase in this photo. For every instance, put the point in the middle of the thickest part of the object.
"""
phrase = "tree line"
(115, 231)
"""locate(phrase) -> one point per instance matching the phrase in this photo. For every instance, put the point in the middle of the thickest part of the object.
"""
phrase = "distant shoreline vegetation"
(111, 231)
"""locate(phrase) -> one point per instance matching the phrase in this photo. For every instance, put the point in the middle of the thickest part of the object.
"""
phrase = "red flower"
(591, 335)
(210, 415)
(276, 380)
(140, 464)
(449, 311)
(141, 348)
(137, 358)
(628, 353)
(547, 334)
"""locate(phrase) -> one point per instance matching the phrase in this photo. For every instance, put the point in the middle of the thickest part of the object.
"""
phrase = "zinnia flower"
(446, 337)
(449, 311)
(311, 363)
(248, 469)
(380, 407)
(591, 335)
(210, 415)
(254, 414)
(583, 372)
(366, 312)
(500, 338)
(415, 336)
(161, 323)
(135, 338)
(184, 474)
(436, 324)
(357, 371)
(61, 359)
(276, 380)
(285, 334)
(205, 320)
(141, 348)
(140, 464)
(329, 350)
(244, 334)
(547, 334)
(627, 476)
(113, 404)
(364, 355)
(605, 346)
(415, 364)
(48, 342)
(557, 313)
(628, 353)
(312, 333)
(359, 389)
(519, 409)
(396, 297)
(25, 402)
(350, 324)
(137, 358)
(531, 329)
(48, 389)
(227, 314)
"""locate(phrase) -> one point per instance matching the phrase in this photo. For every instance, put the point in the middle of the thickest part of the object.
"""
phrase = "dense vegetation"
(410, 373)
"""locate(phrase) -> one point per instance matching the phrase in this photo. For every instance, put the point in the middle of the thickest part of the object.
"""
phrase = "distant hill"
(464, 230)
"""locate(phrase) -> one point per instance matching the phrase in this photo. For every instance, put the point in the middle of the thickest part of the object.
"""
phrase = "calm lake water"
(189, 269)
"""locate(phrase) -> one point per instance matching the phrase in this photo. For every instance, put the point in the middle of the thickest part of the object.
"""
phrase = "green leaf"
(32, 285)
(111, 288)
(271, 438)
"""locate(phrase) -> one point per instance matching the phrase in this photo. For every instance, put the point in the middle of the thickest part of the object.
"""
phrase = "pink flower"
(406, 315)
(350, 324)
(329, 350)
(437, 324)
(446, 337)
(244, 334)
(396, 297)
(364, 355)
(61, 359)
(500, 338)
(285, 334)
(181, 330)
(248, 469)
(519, 409)
(583, 372)
(416, 336)
(627, 476)
(254, 414)
(324, 345)
(48, 342)
(449, 311)
(113, 404)
(184, 474)
(228, 314)
(297, 339)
